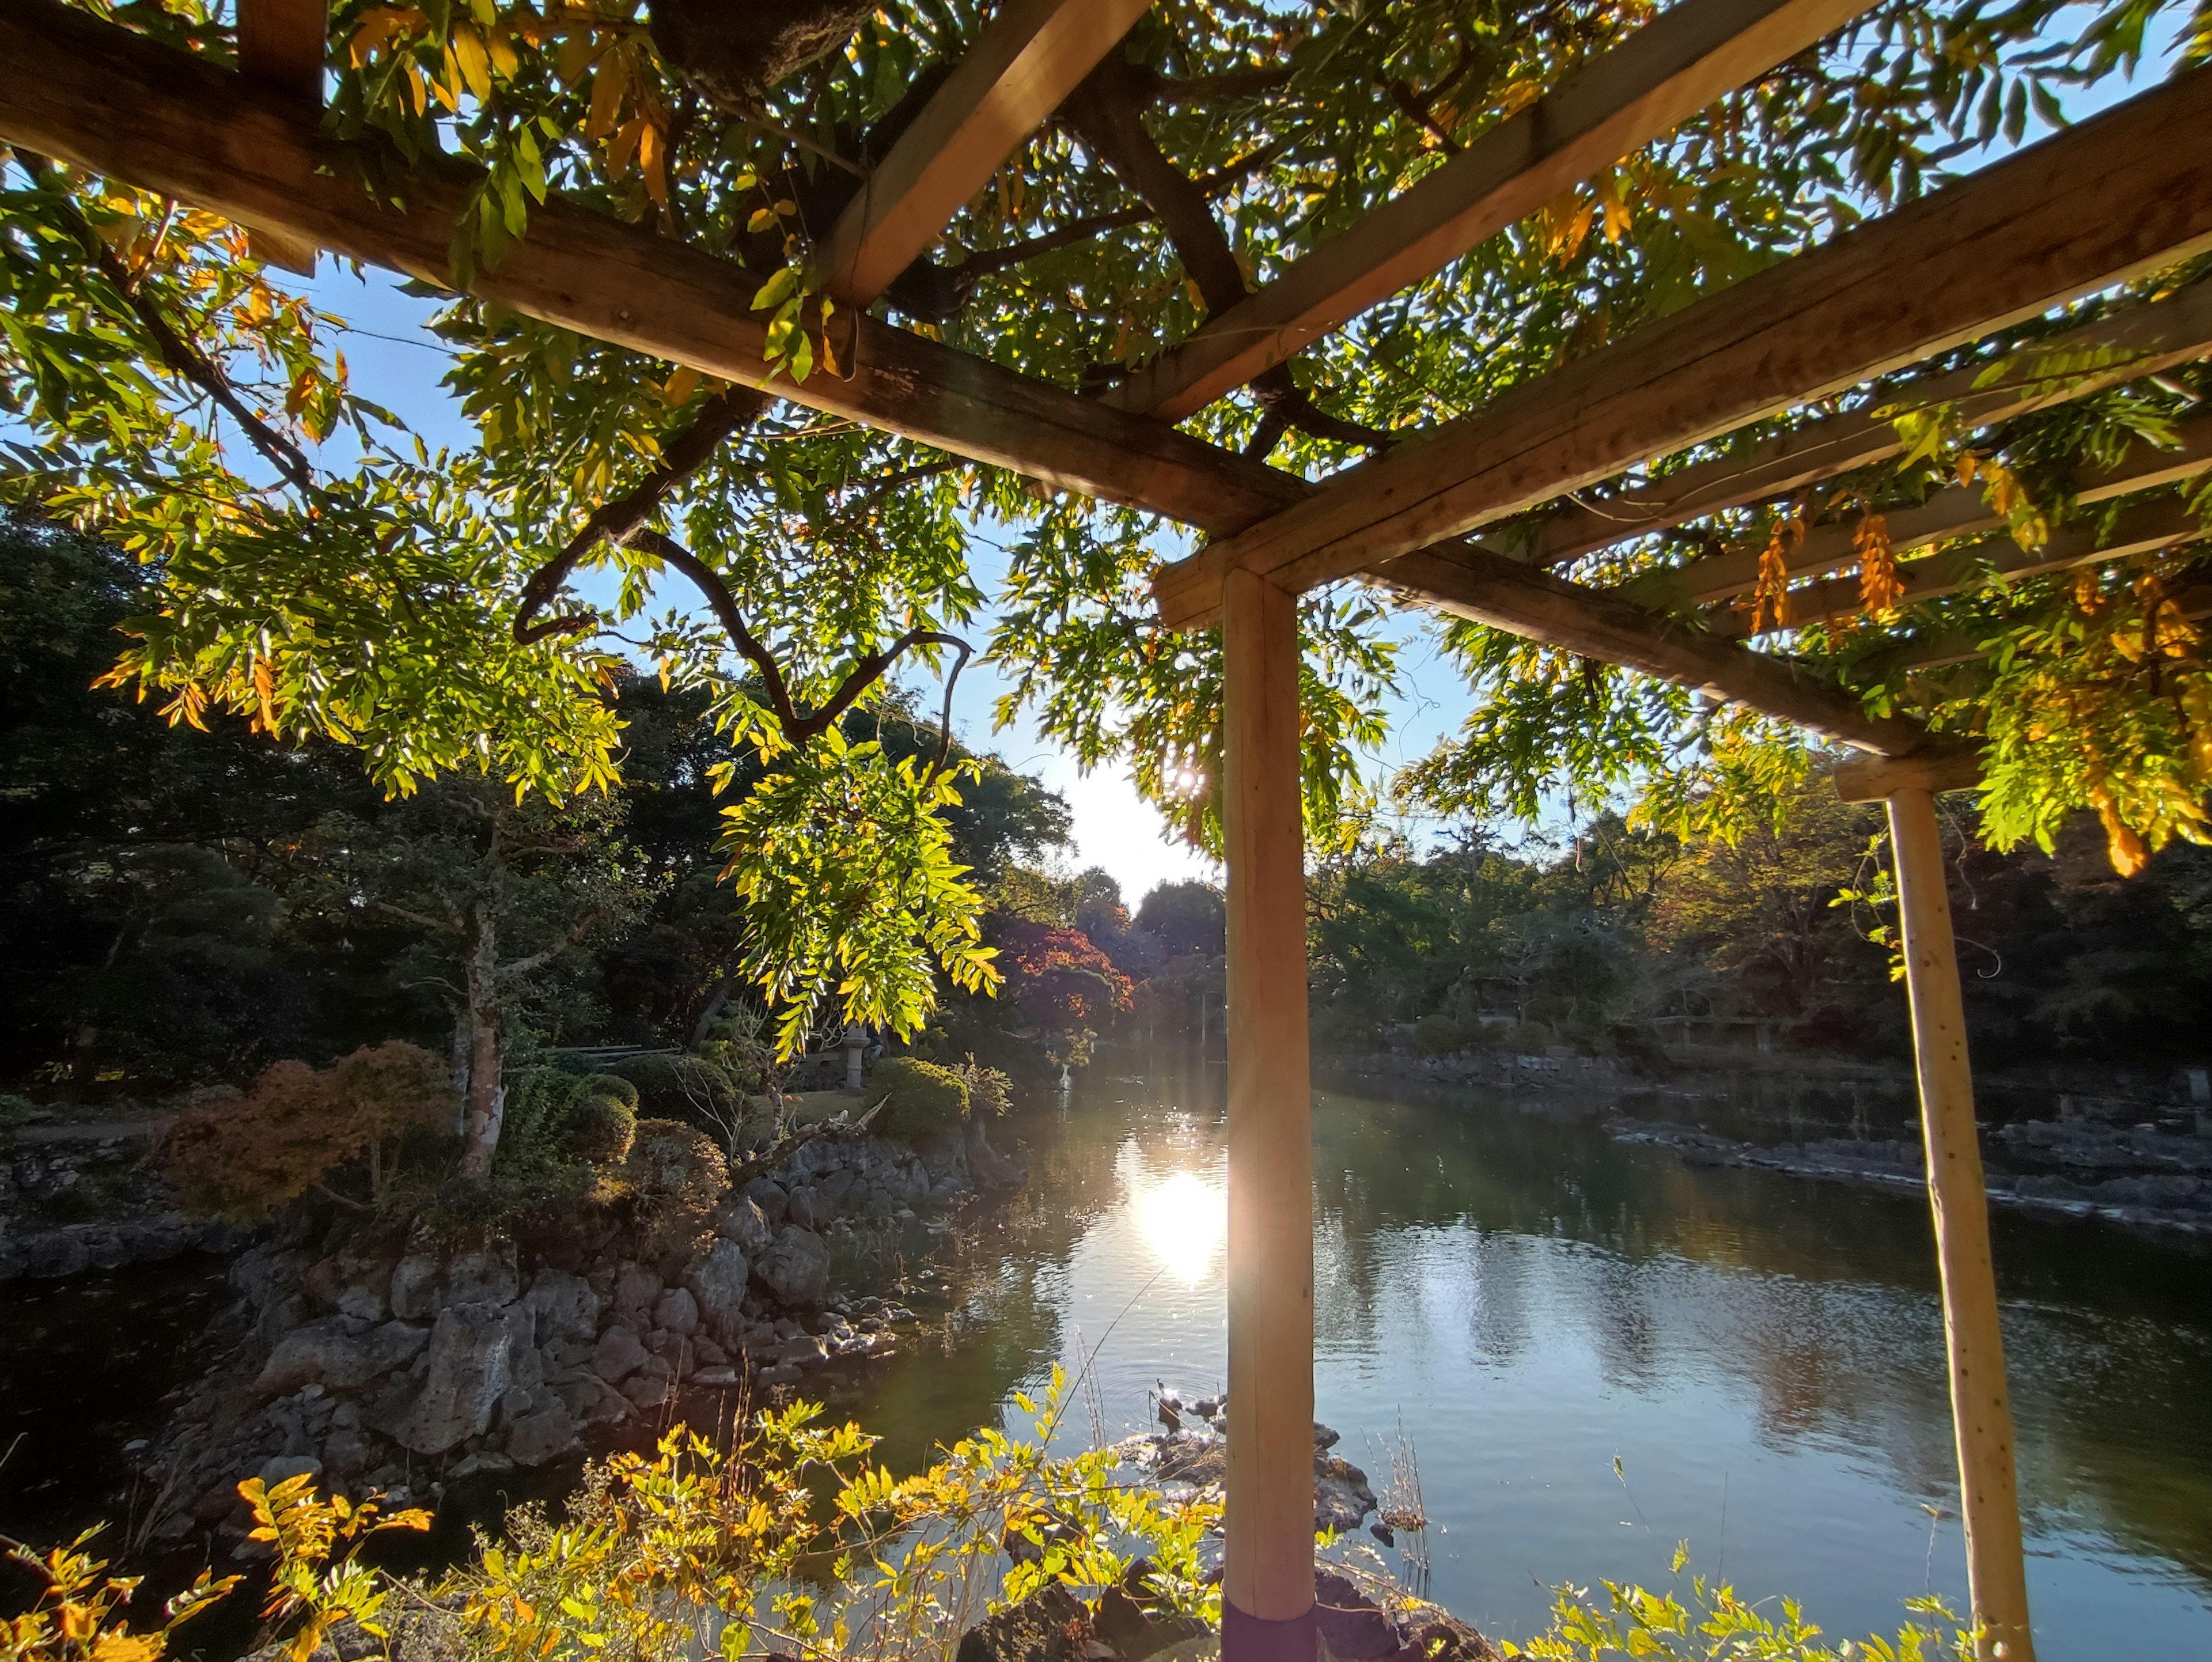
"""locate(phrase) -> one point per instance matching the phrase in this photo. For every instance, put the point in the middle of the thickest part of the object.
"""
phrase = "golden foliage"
(1879, 586)
(1769, 596)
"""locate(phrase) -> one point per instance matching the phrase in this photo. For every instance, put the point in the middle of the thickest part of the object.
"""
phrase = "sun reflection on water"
(1184, 1218)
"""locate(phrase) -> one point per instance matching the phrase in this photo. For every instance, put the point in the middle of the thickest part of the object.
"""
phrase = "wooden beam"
(126, 107)
(2123, 194)
(1667, 71)
(1981, 1407)
(2139, 341)
(1469, 581)
(282, 45)
(1872, 778)
(2139, 529)
(1028, 58)
(1267, 1571)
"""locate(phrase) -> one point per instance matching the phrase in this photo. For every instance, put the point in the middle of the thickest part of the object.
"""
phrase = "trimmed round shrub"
(921, 1100)
(612, 1085)
(656, 1082)
(1439, 1035)
(600, 1129)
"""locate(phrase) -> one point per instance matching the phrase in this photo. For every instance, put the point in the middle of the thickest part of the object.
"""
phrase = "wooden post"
(1981, 1412)
(1268, 1584)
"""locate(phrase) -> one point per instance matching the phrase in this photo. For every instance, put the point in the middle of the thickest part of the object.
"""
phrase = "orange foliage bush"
(240, 1153)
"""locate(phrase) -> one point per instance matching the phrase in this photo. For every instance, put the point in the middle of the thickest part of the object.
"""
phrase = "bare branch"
(570, 937)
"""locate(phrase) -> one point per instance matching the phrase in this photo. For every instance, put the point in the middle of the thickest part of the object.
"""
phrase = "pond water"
(1525, 1301)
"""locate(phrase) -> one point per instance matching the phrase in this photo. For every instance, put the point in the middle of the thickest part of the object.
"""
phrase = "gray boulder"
(488, 1275)
(677, 1311)
(280, 1468)
(768, 1195)
(717, 1281)
(469, 1370)
(795, 1271)
(565, 1306)
(397, 1344)
(812, 1208)
(319, 1353)
(739, 1219)
(545, 1434)
(619, 1356)
(635, 1288)
(415, 1287)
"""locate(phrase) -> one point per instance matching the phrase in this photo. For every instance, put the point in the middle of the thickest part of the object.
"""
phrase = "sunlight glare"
(1185, 1219)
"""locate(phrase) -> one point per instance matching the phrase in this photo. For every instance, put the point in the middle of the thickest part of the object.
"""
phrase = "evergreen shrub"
(921, 1100)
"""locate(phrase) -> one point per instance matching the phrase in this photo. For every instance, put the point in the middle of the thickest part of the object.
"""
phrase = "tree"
(416, 604)
(502, 891)
(1191, 918)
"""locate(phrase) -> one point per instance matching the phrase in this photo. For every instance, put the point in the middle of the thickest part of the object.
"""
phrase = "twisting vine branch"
(867, 669)
(728, 412)
(1107, 113)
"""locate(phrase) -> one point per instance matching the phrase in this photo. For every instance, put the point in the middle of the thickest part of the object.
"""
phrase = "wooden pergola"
(2109, 200)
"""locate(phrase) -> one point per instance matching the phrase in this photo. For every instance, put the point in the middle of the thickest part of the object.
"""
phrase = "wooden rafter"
(127, 108)
(1028, 58)
(1471, 581)
(1959, 510)
(1672, 67)
(2123, 193)
(282, 43)
(2140, 340)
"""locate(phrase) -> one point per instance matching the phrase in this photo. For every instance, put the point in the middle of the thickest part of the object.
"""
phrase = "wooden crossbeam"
(1666, 72)
(2140, 341)
(1471, 581)
(2141, 529)
(1871, 778)
(282, 44)
(2124, 192)
(1959, 510)
(126, 107)
(1028, 58)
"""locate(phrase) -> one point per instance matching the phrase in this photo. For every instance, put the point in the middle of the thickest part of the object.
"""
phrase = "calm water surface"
(1529, 1300)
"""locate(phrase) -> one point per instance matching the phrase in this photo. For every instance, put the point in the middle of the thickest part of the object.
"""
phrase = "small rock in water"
(1382, 1532)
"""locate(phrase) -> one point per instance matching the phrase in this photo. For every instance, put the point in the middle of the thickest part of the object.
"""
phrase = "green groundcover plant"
(790, 1540)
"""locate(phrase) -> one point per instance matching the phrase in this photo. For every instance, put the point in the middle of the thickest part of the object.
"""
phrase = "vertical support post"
(1981, 1411)
(1268, 1584)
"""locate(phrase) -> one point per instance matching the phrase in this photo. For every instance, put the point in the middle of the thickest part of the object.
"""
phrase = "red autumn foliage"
(240, 1153)
(1060, 979)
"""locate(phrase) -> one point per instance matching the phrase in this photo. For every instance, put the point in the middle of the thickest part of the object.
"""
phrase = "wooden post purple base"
(1267, 1580)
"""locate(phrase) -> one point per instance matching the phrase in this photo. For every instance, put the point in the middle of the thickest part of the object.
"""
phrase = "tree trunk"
(487, 1095)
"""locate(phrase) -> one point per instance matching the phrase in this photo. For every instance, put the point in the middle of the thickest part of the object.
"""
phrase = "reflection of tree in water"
(1824, 1306)
(1484, 1233)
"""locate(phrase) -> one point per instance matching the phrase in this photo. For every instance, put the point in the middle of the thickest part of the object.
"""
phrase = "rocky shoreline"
(2140, 1176)
(407, 1370)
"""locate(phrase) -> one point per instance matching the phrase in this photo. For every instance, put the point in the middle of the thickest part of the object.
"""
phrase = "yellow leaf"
(1880, 587)
(608, 84)
(682, 385)
(576, 54)
(652, 156)
(473, 60)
